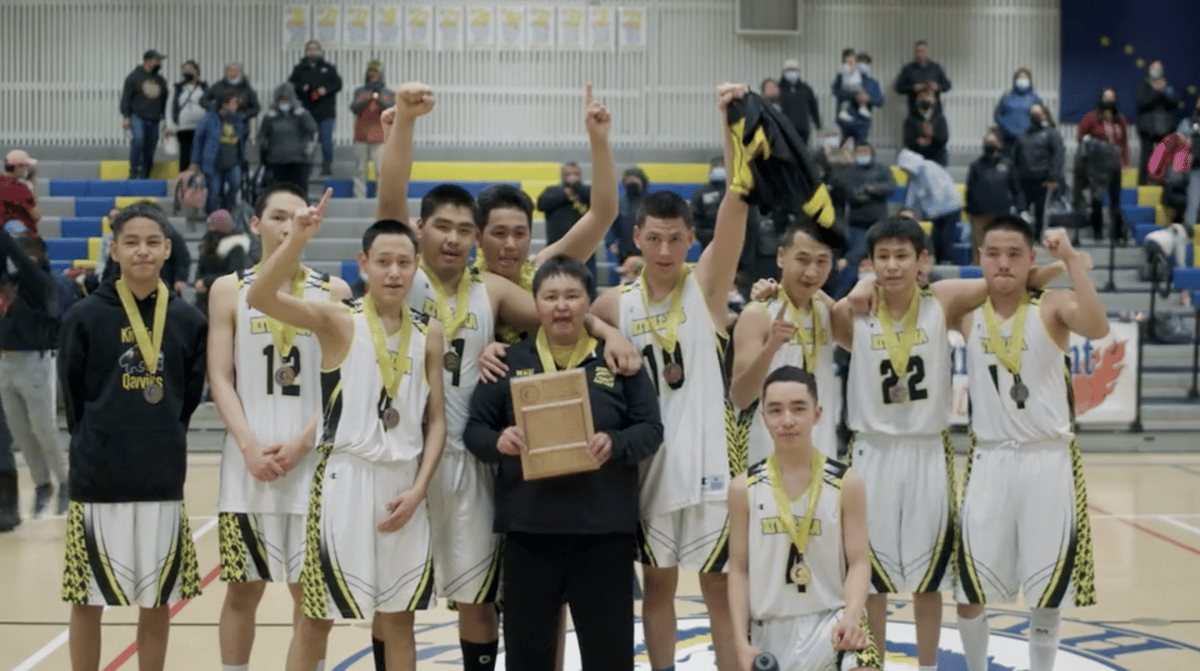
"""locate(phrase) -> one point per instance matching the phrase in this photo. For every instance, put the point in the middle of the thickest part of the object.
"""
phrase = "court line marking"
(130, 651)
(58, 641)
(1144, 529)
(1186, 527)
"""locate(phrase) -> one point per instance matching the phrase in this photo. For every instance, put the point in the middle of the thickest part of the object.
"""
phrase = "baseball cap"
(19, 157)
(791, 64)
(154, 53)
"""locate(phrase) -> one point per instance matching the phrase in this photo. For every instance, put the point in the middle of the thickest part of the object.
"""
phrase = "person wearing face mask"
(186, 110)
(317, 84)
(1156, 102)
(706, 200)
(1103, 150)
(992, 190)
(862, 192)
(17, 200)
(220, 152)
(1040, 158)
(798, 101)
(564, 203)
(235, 81)
(619, 239)
(1012, 110)
(370, 100)
(769, 90)
(143, 108)
(920, 76)
(857, 94)
(285, 137)
(926, 131)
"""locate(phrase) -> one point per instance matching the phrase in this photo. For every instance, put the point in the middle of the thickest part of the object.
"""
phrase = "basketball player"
(791, 328)
(676, 316)
(799, 566)
(1024, 518)
(368, 550)
(265, 379)
(467, 304)
(131, 366)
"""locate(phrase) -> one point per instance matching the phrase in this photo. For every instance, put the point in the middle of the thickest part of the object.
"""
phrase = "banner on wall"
(449, 28)
(327, 25)
(296, 25)
(510, 22)
(418, 27)
(388, 29)
(571, 23)
(358, 26)
(540, 28)
(633, 29)
(1103, 376)
(481, 27)
(602, 29)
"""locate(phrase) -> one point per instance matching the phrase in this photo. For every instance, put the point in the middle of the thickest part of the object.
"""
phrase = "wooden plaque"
(555, 412)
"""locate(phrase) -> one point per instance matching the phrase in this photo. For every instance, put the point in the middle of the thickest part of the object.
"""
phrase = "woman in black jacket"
(569, 537)
(992, 189)
(1040, 158)
(1156, 105)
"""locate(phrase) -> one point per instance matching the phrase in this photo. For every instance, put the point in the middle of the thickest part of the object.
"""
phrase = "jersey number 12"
(293, 360)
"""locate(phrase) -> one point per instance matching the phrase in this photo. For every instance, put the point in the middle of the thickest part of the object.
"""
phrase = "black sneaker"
(64, 499)
(41, 500)
(10, 518)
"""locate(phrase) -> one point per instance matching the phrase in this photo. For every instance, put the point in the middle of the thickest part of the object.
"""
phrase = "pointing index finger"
(587, 95)
(324, 202)
(781, 315)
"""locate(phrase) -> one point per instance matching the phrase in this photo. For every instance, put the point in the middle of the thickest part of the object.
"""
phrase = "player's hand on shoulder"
(400, 510)
(849, 636)
(620, 355)
(511, 442)
(491, 363)
(764, 290)
(414, 99)
(862, 297)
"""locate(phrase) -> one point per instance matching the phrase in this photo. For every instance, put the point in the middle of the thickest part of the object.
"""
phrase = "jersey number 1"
(293, 360)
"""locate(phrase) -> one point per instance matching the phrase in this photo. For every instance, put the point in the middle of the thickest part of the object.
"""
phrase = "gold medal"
(583, 347)
(674, 318)
(799, 532)
(285, 376)
(899, 349)
(1009, 352)
(153, 393)
(390, 417)
(391, 368)
(149, 347)
(452, 362)
(673, 373)
(800, 573)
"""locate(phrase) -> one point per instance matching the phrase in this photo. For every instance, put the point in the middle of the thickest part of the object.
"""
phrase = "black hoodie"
(123, 448)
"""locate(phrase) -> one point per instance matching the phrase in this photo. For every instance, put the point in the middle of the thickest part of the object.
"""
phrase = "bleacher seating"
(82, 227)
(83, 188)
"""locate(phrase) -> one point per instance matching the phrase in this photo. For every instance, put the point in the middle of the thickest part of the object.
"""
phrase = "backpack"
(191, 190)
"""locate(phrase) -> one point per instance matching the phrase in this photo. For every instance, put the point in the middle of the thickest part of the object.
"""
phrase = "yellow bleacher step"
(1129, 178)
(516, 171)
(85, 263)
(105, 226)
(120, 170)
(1149, 196)
(686, 173)
(534, 188)
(371, 174)
(926, 226)
(899, 175)
(93, 249)
(122, 202)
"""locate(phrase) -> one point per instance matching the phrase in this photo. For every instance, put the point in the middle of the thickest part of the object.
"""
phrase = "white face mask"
(864, 68)
(847, 69)
(235, 81)
(792, 76)
(863, 160)
(285, 108)
(716, 175)
(1023, 83)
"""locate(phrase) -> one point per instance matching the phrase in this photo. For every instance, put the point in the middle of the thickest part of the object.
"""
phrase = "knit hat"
(791, 64)
(220, 221)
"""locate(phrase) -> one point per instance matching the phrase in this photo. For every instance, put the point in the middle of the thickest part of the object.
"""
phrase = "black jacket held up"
(123, 448)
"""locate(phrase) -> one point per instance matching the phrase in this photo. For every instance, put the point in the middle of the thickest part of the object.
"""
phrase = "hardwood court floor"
(1145, 521)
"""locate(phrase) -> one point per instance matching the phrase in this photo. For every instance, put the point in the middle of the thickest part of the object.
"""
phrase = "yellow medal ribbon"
(583, 347)
(674, 312)
(390, 369)
(284, 335)
(799, 533)
(148, 346)
(899, 349)
(810, 339)
(1008, 354)
(450, 322)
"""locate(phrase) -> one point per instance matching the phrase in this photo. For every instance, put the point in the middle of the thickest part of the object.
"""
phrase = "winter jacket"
(367, 127)
(858, 124)
(287, 138)
(704, 204)
(248, 108)
(914, 129)
(231, 255)
(1156, 109)
(1040, 155)
(31, 320)
(799, 103)
(1012, 112)
(1190, 128)
(1115, 133)
(144, 95)
(307, 78)
(187, 105)
(913, 74)
(123, 448)
(932, 192)
(993, 188)
(865, 190)
(209, 137)
(562, 211)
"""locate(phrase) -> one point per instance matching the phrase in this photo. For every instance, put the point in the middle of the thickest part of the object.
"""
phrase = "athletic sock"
(235, 667)
(1043, 638)
(479, 656)
(377, 648)
(974, 634)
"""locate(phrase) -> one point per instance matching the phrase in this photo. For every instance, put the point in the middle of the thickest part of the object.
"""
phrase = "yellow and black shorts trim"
(240, 545)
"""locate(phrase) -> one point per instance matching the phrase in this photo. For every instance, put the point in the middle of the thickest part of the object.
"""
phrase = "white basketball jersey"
(274, 412)
(995, 416)
(468, 342)
(926, 408)
(824, 433)
(693, 464)
(773, 594)
(355, 398)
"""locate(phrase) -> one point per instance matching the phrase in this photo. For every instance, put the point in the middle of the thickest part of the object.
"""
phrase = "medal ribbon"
(284, 335)
(149, 348)
(810, 339)
(816, 479)
(583, 347)
(451, 322)
(674, 312)
(899, 349)
(1007, 354)
(390, 369)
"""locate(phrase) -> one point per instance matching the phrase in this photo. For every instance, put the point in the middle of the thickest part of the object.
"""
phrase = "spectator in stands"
(178, 267)
(1171, 242)
(1190, 128)
(862, 191)
(17, 200)
(1156, 104)
(10, 496)
(564, 203)
(221, 252)
(620, 236)
(992, 189)
(1012, 110)
(187, 110)
(219, 150)
(28, 339)
(1040, 159)
(143, 108)
(857, 94)
(933, 196)
(1101, 133)
(922, 75)
(317, 83)
(769, 89)
(926, 132)
(234, 82)
(798, 101)
(286, 138)
(707, 200)
(370, 100)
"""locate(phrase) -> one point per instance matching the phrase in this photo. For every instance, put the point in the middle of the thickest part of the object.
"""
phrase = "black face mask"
(313, 58)
(188, 77)
(991, 150)
(155, 69)
(633, 189)
(925, 106)
(1108, 105)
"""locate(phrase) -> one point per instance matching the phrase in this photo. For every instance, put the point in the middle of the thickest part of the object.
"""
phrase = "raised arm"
(413, 100)
(756, 339)
(581, 240)
(1080, 311)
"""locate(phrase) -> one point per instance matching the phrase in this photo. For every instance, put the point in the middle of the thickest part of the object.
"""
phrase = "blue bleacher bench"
(93, 207)
(1135, 214)
(67, 249)
(342, 188)
(1140, 231)
(61, 266)
(968, 272)
(685, 190)
(81, 227)
(898, 195)
(418, 189)
(108, 188)
(350, 271)
(961, 254)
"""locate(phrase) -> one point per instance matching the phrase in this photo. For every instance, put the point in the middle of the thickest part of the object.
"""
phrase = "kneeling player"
(798, 563)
